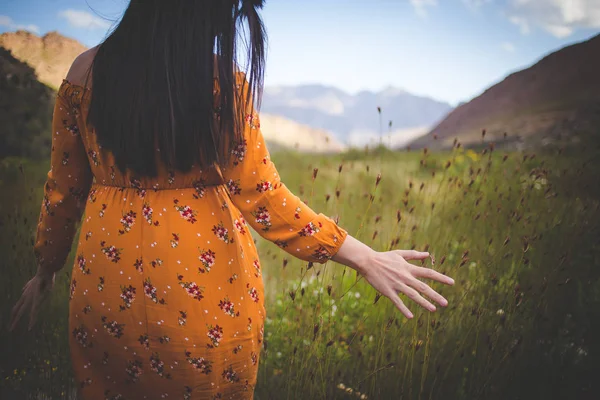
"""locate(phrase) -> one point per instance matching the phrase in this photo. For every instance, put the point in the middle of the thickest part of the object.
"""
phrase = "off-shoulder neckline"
(89, 89)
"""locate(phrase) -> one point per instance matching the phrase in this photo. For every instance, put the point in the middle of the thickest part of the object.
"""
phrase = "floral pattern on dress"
(240, 224)
(195, 291)
(200, 188)
(134, 370)
(128, 296)
(158, 366)
(174, 240)
(127, 221)
(208, 258)
(151, 292)
(239, 151)
(113, 328)
(228, 307)
(234, 187)
(263, 217)
(139, 265)
(256, 265)
(310, 229)
(264, 186)
(215, 333)
(81, 263)
(147, 212)
(222, 233)
(182, 318)
(111, 252)
(199, 363)
(230, 375)
(144, 341)
(186, 212)
(81, 335)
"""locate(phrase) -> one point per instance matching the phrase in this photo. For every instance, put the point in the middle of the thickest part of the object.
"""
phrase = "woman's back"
(167, 297)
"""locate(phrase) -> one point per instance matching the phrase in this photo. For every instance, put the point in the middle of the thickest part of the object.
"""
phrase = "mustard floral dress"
(166, 297)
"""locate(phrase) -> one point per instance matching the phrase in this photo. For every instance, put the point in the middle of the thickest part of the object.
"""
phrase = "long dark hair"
(153, 80)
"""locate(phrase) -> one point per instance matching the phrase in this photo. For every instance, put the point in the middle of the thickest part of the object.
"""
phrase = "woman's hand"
(389, 272)
(34, 293)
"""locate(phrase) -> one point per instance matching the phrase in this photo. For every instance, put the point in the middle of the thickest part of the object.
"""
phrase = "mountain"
(50, 55)
(558, 96)
(353, 119)
(25, 110)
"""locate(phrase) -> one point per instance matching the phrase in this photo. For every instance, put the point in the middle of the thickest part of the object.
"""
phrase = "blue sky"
(450, 50)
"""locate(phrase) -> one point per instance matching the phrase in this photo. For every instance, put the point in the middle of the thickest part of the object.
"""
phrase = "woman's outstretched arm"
(281, 217)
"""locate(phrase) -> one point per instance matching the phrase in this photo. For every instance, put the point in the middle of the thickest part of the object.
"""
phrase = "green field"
(519, 232)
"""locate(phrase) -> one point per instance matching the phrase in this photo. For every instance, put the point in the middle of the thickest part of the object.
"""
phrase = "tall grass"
(519, 232)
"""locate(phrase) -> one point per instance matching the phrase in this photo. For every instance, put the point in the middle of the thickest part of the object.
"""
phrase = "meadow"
(519, 231)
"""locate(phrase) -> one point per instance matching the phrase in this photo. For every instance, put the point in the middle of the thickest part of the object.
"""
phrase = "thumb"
(413, 254)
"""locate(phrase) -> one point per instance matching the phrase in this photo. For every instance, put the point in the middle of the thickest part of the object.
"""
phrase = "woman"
(162, 150)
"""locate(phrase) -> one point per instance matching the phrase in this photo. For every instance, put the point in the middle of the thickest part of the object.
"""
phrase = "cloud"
(475, 4)
(508, 46)
(83, 19)
(421, 6)
(10, 24)
(558, 17)
(521, 23)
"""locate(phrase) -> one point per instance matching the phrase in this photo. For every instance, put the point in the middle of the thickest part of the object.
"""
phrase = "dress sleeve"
(268, 205)
(66, 188)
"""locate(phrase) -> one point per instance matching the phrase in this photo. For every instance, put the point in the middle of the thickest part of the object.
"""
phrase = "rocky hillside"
(25, 110)
(50, 55)
(557, 97)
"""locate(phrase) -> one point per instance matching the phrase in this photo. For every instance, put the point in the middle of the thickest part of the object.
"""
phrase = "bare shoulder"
(79, 69)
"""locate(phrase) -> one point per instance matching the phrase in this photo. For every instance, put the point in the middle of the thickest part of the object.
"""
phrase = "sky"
(449, 50)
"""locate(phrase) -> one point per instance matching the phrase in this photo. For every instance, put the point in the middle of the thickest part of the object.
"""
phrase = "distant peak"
(20, 32)
(392, 91)
(53, 34)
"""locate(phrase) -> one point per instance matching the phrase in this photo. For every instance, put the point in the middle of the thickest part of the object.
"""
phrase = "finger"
(428, 291)
(25, 287)
(15, 308)
(400, 304)
(413, 254)
(416, 297)
(423, 272)
(18, 311)
(13, 320)
(41, 295)
(33, 313)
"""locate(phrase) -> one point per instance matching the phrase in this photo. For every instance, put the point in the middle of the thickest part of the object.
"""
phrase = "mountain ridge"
(353, 118)
(557, 96)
